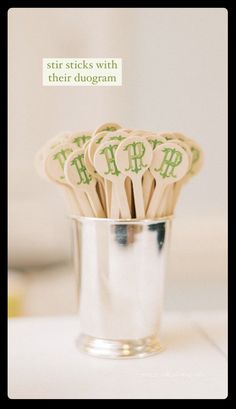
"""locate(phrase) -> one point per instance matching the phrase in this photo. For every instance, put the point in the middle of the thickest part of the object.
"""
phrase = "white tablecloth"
(44, 362)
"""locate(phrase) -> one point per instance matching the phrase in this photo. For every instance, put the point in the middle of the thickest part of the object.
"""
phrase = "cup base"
(118, 349)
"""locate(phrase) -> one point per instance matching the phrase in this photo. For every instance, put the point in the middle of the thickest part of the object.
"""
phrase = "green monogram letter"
(80, 140)
(108, 151)
(61, 156)
(136, 151)
(84, 176)
(171, 159)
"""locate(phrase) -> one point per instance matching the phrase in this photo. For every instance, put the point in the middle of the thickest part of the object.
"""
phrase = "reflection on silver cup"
(120, 266)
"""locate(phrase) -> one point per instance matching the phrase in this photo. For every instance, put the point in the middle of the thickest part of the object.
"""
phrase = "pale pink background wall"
(174, 78)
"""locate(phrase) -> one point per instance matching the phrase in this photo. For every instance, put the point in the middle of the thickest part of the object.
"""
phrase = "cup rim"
(120, 221)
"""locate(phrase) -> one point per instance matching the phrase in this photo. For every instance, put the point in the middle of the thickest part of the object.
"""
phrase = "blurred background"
(174, 79)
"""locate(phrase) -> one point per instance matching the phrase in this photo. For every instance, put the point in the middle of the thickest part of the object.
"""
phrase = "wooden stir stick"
(81, 180)
(100, 181)
(147, 175)
(105, 164)
(168, 196)
(170, 163)
(148, 179)
(93, 145)
(54, 163)
(133, 157)
(119, 136)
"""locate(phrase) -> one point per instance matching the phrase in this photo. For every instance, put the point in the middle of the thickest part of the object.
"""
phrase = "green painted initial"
(80, 140)
(61, 156)
(117, 138)
(136, 151)
(84, 176)
(170, 161)
(108, 151)
(154, 143)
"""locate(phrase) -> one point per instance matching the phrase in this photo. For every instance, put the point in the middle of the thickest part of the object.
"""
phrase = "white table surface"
(44, 362)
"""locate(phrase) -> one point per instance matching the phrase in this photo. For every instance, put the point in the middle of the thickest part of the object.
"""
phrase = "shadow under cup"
(120, 266)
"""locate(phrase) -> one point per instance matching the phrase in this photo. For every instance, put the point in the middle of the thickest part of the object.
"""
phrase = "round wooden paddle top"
(54, 162)
(105, 161)
(76, 172)
(170, 163)
(134, 156)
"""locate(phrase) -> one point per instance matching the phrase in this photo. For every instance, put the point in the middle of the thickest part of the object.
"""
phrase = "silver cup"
(121, 267)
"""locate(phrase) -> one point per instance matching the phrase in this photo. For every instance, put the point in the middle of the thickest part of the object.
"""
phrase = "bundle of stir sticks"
(120, 173)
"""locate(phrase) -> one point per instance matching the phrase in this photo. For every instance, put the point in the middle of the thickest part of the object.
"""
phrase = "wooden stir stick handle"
(169, 203)
(101, 193)
(148, 181)
(95, 202)
(163, 202)
(122, 199)
(84, 203)
(134, 156)
(138, 198)
(105, 164)
(114, 208)
(108, 190)
(166, 201)
(155, 200)
(176, 192)
(128, 189)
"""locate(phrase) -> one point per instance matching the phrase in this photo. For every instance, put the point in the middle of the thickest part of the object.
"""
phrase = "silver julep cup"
(120, 266)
